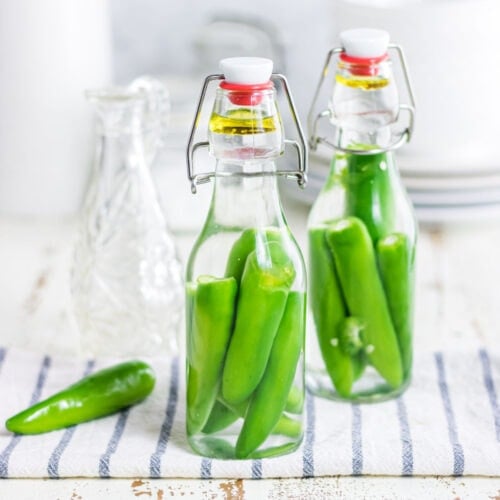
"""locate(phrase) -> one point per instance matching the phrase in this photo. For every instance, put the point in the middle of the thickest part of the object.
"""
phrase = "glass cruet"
(245, 279)
(126, 278)
(362, 232)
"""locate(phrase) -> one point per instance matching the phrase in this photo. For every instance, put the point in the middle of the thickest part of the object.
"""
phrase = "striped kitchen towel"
(447, 423)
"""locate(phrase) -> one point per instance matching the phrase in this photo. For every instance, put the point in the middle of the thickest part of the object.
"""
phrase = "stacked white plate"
(445, 196)
(438, 196)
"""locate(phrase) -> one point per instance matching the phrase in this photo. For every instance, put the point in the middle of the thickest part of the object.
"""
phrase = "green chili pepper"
(261, 302)
(211, 324)
(295, 400)
(249, 241)
(220, 417)
(359, 362)
(369, 192)
(288, 427)
(328, 310)
(102, 393)
(269, 400)
(395, 259)
(350, 335)
(354, 256)
(190, 295)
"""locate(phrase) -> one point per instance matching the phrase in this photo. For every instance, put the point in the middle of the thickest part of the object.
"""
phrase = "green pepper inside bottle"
(245, 284)
(362, 236)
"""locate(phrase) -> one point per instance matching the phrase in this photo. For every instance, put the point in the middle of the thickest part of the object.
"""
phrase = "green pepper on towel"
(102, 393)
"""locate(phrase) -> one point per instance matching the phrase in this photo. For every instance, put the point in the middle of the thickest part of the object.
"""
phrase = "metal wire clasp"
(300, 146)
(313, 119)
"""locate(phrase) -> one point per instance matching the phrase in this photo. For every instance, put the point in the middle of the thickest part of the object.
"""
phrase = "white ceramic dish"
(436, 198)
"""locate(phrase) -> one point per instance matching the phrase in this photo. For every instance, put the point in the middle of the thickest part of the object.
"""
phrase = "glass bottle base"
(371, 388)
(224, 446)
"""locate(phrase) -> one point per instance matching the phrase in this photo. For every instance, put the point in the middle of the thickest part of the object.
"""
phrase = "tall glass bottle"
(362, 235)
(245, 282)
(126, 280)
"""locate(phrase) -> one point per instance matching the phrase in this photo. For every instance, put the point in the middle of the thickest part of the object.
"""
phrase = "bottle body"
(245, 320)
(362, 237)
(126, 279)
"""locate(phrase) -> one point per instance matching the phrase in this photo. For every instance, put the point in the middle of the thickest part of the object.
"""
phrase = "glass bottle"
(362, 235)
(245, 282)
(126, 279)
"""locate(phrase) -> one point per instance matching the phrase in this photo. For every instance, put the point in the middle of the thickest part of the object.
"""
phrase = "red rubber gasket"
(363, 66)
(246, 95)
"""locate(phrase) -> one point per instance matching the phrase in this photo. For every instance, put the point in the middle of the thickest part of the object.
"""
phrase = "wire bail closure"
(313, 120)
(300, 146)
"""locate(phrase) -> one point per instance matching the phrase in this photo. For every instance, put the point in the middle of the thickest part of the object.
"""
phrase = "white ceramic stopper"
(246, 70)
(364, 42)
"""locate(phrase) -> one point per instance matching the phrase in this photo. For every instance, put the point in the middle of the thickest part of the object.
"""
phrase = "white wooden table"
(457, 304)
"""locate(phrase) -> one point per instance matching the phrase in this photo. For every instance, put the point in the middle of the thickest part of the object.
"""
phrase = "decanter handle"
(156, 113)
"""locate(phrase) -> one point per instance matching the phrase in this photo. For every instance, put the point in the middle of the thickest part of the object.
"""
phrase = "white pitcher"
(50, 51)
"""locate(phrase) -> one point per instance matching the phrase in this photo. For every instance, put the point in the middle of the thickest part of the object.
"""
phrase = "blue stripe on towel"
(308, 455)
(206, 468)
(490, 388)
(458, 452)
(53, 465)
(35, 396)
(3, 351)
(257, 469)
(113, 443)
(166, 428)
(357, 441)
(406, 442)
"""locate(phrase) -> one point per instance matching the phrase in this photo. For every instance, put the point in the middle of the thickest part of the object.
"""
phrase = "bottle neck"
(361, 139)
(246, 129)
(120, 153)
(364, 103)
(352, 169)
(246, 195)
(126, 140)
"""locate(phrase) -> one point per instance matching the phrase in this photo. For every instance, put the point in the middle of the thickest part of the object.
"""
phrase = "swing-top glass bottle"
(245, 280)
(362, 232)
